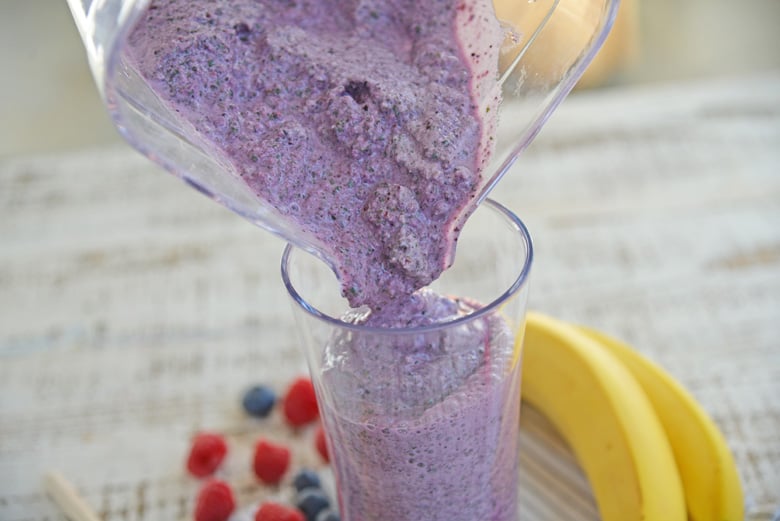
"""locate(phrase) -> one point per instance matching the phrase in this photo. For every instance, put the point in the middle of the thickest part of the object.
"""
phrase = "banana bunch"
(649, 450)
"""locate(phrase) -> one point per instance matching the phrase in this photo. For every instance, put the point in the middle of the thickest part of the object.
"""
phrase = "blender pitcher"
(547, 46)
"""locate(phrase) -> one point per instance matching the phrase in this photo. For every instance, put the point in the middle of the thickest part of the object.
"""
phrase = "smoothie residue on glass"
(366, 123)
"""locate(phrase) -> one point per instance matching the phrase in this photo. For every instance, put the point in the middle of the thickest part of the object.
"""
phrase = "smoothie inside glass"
(422, 417)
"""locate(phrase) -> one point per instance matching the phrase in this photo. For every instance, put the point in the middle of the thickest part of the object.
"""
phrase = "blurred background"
(48, 101)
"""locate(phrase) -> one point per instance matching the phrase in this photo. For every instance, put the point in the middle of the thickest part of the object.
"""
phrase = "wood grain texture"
(133, 311)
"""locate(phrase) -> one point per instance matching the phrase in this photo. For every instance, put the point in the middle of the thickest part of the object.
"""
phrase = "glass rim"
(513, 288)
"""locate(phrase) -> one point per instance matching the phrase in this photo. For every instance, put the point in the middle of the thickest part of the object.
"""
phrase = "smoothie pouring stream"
(368, 124)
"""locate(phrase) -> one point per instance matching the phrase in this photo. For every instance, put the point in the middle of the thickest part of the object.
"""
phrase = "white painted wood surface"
(133, 311)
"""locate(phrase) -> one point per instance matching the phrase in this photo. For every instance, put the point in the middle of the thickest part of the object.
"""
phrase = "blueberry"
(258, 401)
(311, 501)
(306, 479)
(327, 515)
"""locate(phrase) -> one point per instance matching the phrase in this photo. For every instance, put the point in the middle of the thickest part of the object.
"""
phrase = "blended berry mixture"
(368, 124)
(364, 122)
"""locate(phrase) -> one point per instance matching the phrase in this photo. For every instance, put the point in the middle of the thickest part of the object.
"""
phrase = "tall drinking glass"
(422, 421)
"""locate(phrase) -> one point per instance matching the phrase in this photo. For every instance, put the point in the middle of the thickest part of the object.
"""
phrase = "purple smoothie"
(424, 424)
(368, 124)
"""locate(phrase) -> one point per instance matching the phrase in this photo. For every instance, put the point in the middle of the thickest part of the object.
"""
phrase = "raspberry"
(321, 444)
(215, 502)
(276, 512)
(207, 452)
(300, 403)
(271, 461)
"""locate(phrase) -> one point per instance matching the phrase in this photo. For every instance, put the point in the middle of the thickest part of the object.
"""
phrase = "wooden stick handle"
(67, 498)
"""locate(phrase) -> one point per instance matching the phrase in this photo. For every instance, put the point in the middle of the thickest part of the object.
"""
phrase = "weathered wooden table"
(133, 311)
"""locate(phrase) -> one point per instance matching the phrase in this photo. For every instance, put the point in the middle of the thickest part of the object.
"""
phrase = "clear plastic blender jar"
(547, 46)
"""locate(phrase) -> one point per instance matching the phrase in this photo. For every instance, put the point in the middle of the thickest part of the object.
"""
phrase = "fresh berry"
(311, 502)
(270, 511)
(300, 403)
(271, 461)
(306, 479)
(321, 444)
(258, 401)
(215, 502)
(206, 454)
(328, 515)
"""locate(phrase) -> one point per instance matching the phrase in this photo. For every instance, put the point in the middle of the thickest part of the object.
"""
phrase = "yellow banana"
(709, 475)
(607, 419)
